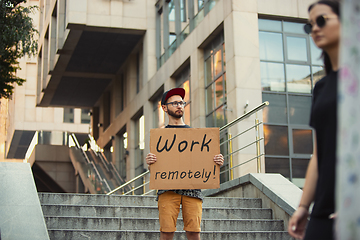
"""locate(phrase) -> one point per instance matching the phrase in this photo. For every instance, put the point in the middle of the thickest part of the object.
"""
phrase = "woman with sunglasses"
(324, 26)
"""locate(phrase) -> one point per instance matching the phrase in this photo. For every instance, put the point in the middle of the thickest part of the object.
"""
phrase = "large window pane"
(208, 71)
(210, 104)
(218, 62)
(210, 120)
(172, 38)
(296, 49)
(270, 25)
(272, 76)
(271, 46)
(318, 73)
(315, 53)
(216, 119)
(171, 11)
(183, 10)
(219, 92)
(186, 86)
(302, 141)
(277, 165)
(299, 167)
(187, 114)
(224, 58)
(276, 140)
(85, 116)
(292, 27)
(220, 117)
(68, 115)
(276, 111)
(298, 78)
(299, 109)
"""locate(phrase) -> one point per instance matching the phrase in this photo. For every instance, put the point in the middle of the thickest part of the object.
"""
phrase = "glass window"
(272, 76)
(276, 112)
(200, 4)
(315, 53)
(219, 92)
(183, 10)
(210, 103)
(271, 46)
(292, 27)
(216, 119)
(287, 84)
(318, 73)
(277, 165)
(296, 49)
(276, 140)
(270, 25)
(218, 63)
(302, 141)
(85, 116)
(172, 38)
(68, 115)
(298, 78)
(299, 109)
(208, 71)
(299, 167)
(183, 81)
(172, 11)
(215, 80)
(158, 113)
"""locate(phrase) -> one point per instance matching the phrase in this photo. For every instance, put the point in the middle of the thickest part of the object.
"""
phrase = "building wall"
(236, 20)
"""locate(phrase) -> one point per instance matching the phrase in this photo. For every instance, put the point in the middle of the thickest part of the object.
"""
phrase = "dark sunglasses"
(320, 21)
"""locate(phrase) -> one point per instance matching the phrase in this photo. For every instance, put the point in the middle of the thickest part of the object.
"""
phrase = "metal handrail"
(242, 163)
(223, 128)
(127, 183)
(246, 115)
(90, 162)
(231, 138)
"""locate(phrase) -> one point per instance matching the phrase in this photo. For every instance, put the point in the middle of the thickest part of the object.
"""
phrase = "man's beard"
(175, 114)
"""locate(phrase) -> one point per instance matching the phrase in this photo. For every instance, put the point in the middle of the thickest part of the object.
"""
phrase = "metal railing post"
(231, 158)
(144, 188)
(258, 145)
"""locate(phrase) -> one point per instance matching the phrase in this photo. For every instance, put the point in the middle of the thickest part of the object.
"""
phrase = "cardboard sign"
(185, 158)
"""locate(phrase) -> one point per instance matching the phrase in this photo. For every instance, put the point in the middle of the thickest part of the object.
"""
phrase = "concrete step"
(152, 224)
(150, 212)
(87, 216)
(121, 200)
(155, 235)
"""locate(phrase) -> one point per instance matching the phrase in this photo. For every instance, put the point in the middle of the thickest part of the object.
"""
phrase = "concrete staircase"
(85, 216)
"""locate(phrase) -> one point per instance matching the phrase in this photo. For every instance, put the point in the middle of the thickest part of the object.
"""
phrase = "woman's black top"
(324, 120)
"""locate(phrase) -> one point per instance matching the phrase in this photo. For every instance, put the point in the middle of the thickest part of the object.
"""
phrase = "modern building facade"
(40, 135)
(118, 57)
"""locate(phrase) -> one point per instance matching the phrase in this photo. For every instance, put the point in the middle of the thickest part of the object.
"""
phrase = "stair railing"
(104, 186)
(109, 165)
(257, 141)
(223, 129)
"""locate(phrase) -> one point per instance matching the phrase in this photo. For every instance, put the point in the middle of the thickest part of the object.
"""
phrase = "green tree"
(17, 39)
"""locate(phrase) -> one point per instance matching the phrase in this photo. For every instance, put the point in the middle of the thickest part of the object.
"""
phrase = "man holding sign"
(191, 199)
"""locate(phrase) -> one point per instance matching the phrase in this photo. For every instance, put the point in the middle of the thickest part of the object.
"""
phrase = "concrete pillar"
(243, 75)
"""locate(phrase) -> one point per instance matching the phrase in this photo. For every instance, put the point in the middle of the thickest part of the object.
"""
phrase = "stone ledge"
(275, 190)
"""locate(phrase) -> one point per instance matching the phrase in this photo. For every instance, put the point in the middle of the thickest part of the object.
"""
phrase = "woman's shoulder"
(319, 84)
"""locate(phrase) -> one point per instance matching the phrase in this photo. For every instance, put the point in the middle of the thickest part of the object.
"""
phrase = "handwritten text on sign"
(184, 158)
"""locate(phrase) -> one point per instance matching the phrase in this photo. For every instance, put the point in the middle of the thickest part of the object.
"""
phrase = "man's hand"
(219, 159)
(150, 158)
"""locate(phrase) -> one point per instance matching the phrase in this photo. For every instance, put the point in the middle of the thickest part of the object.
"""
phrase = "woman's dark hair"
(335, 7)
